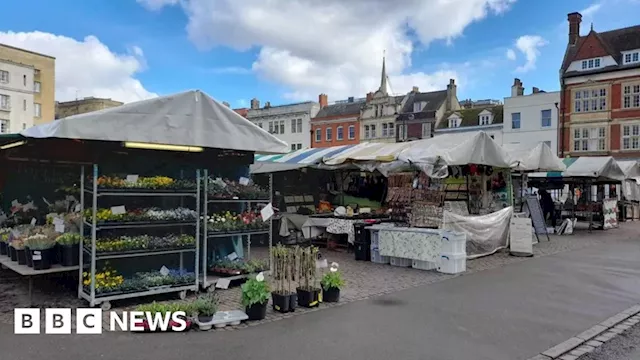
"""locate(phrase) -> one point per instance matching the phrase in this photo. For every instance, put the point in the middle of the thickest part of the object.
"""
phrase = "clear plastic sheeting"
(486, 234)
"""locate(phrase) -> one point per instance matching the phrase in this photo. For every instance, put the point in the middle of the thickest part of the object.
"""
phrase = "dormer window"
(590, 64)
(418, 106)
(454, 122)
(631, 57)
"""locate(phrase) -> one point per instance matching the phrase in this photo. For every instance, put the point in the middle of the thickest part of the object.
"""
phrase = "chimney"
(517, 89)
(267, 104)
(370, 96)
(323, 99)
(451, 94)
(415, 89)
(350, 99)
(535, 90)
(226, 104)
(255, 104)
(575, 19)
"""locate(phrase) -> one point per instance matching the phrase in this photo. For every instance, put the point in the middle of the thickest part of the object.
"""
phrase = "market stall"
(630, 201)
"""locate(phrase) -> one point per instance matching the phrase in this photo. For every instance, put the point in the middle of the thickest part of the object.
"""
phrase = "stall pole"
(197, 231)
(205, 235)
(81, 252)
(270, 224)
(94, 221)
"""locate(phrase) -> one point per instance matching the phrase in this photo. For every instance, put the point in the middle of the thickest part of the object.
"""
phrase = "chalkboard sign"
(537, 218)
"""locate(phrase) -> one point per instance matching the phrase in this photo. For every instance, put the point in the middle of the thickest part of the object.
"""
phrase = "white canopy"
(190, 118)
(533, 158)
(601, 168)
(435, 154)
(630, 168)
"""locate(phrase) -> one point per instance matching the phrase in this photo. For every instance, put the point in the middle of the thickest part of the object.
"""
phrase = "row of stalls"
(143, 199)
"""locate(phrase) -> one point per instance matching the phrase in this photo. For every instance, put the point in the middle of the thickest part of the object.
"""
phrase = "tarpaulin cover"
(190, 118)
(486, 234)
(382, 152)
(295, 159)
(598, 168)
(539, 157)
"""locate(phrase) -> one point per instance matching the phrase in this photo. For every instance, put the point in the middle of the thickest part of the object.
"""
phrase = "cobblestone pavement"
(625, 346)
(363, 279)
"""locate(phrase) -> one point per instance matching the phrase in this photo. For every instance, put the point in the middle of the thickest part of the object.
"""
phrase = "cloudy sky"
(291, 50)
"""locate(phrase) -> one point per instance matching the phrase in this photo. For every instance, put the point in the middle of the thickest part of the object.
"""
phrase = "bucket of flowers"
(4, 240)
(255, 297)
(41, 249)
(69, 246)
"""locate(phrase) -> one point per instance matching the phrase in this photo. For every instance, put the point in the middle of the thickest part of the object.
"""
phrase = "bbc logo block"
(57, 321)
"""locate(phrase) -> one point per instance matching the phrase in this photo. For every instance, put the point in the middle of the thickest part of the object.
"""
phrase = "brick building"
(336, 124)
(600, 92)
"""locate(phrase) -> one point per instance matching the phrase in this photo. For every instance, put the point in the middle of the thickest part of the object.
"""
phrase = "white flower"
(260, 277)
(335, 265)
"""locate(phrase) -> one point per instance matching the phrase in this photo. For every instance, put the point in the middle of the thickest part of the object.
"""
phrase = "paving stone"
(594, 343)
(568, 357)
(540, 357)
(563, 347)
(617, 331)
(633, 310)
(592, 332)
(622, 327)
(614, 320)
(586, 348)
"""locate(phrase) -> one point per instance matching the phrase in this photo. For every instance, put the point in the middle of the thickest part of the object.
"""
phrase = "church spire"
(383, 80)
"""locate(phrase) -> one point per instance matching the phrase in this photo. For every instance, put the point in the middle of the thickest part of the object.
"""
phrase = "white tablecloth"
(410, 243)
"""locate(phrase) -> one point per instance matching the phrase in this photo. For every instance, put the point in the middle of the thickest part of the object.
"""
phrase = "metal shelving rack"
(209, 281)
(104, 301)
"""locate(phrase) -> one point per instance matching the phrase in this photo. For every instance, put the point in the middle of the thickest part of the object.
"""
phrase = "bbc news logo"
(89, 321)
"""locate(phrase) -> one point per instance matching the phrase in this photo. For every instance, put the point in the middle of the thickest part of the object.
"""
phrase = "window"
(373, 131)
(293, 126)
(299, 125)
(37, 110)
(590, 100)
(352, 132)
(367, 134)
(271, 127)
(329, 134)
(36, 72)
(4, 77)
(392, 129)
(515, 120)
(4, 126)
(24, 105)
(281, 126)
(417, 106)
(589, 139)
(24, 126)
(299, 147)
(402, 132)
(485, 119)
(5, 102)
(632, 57)
(548, 143)
(454, 122)
(24, 80)
(631, 137)
(384, 130)
(340, 133)
(426, 130)
(318, 135)
(631, 96)
(293, 147)
(260, 125)
(546, 118)
(296, 126)
(590, 64)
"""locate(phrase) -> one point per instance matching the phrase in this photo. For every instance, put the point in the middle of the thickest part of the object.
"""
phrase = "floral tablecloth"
(410, 243)
(343, 226)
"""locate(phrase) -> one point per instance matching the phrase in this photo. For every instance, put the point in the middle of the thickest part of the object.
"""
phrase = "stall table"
(24, 270)
(410, 243)
(316, 226)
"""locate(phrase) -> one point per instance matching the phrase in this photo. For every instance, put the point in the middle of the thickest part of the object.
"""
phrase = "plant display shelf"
(95, 226)
(208, 282)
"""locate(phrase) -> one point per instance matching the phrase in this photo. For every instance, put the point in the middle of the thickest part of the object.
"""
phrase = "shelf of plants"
(217, 224)
(105, 284)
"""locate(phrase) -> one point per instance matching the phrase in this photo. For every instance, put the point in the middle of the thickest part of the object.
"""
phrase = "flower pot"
(331, 294)
(22, 258)
(27, 253)
(256, 311)
(204, 322)
(12, 254)
(41, 259)
(3, 248)
(69, 255)
(55, 254)
(308, 297)
(281, 303)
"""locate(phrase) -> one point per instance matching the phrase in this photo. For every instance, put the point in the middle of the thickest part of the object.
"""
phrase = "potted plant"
(283, 299)
(163, 308)
(308, 292)
(255, 297)
(69, 247)
(204, 308)
(18, 247)
(4, 239)
(41, 248)
(331, 283)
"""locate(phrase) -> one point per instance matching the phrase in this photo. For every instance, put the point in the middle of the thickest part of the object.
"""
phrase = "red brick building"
(337, 123)
(600, 92)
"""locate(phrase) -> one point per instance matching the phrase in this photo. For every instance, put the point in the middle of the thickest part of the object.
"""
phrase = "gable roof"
(342, 109)
(614, 42)
(433, 99)
(470, 117)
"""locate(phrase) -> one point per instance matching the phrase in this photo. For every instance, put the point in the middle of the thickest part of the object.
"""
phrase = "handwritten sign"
(118, 210)
(132, 179)
(520, 236)
(59, 228)
(267, 212)
(164, 271)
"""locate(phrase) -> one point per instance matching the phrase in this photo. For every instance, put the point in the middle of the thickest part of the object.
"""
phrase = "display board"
(537, 218)
(610, 213)
(520, 237)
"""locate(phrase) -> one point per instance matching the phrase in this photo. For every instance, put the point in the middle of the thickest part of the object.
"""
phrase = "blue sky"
(290, 51)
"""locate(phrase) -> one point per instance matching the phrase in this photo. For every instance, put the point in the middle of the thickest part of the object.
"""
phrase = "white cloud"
(86, 68)
(334, 46)
(511, 55)
(236, 70)
(529, 46)
(591, 10)
(156, 5)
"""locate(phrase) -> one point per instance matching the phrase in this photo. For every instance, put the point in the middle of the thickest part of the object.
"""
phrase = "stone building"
(81, 106)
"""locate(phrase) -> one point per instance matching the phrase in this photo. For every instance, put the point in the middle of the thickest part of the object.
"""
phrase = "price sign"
(33, 221)
(132, 179)
(266, 212)
(59, 228)
(118, 210)
(223, 283)
(244, 181)
(164, 271)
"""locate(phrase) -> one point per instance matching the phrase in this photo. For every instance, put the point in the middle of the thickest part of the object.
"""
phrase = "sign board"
(537, 218)
(610, 213)
(520, 237)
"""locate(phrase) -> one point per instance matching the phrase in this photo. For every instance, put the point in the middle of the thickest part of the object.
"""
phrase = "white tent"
(533, 158)
(631, 169)
(598, 168)
(631, 186)
(190, 118)
(435, 154)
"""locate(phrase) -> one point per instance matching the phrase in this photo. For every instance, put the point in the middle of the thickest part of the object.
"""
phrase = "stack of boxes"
(453, 253)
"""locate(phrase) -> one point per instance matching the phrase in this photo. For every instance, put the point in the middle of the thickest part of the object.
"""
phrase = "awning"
(598, 168)
(190, 118)
(295, 160)
(539, 157)
(382, 152)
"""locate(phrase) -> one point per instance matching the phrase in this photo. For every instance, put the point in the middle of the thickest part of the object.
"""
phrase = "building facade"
(16, 97)
(464, 123)
(600, 92)
(81, 106)
(290, 123)
(336, 124)
(41, 83)
(531, 119)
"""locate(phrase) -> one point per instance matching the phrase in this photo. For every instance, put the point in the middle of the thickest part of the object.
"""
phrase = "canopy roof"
(295, 160)
(598, 168)
(190, 118)
(537, 158)
(383, 152)
(631, 168)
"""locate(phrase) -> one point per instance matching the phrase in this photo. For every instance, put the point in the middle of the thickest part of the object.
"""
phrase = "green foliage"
(332, 280)
(255, 292)
(39, 242)
(205, 305)
(69, 239)
(156, 307)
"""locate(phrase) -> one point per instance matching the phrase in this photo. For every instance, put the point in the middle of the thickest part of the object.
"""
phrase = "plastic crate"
(453, 243)
(452, 263)
(424, 265)
(374, 239)
(402, 262)
(377, 258)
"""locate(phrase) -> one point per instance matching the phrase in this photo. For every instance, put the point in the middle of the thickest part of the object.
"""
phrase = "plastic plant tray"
(224, 318)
